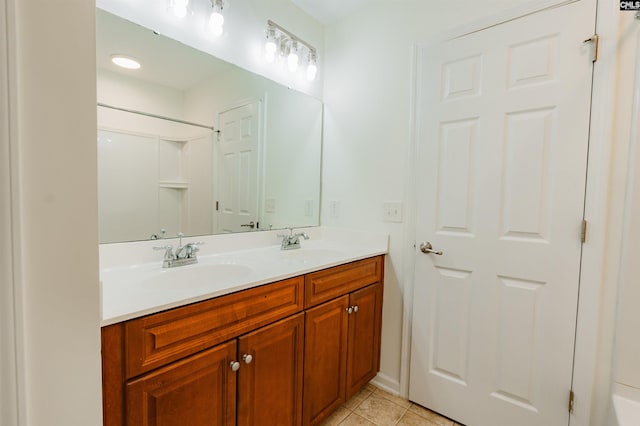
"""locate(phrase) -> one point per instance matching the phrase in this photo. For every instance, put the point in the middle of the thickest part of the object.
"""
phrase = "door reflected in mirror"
(258, 168)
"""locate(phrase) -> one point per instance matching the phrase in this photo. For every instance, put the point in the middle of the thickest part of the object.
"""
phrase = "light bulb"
(270, 46)
(292, 59)
(270, 50)
(312, 70)
(125, 62)
(180, 11)
(178, 7)
(216, 23)
(292, 62)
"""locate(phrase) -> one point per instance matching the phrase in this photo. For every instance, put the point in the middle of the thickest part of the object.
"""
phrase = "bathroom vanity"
(285, 352)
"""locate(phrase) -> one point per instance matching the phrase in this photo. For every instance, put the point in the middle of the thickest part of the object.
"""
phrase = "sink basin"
(311, 254)
(196, 276)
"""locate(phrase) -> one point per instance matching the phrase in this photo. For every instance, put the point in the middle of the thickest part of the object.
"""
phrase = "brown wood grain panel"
(199, 390)
(334, 282)
(270, 387)
(325, 360)
(363, 359)
(157, 339)
(112, 347)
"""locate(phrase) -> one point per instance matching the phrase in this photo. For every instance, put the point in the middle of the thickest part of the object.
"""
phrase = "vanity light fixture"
(179, 8)
(291, 47)
(215, 24)
(125, 62)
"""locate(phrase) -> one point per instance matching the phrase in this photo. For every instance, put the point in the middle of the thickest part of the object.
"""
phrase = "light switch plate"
(392, 211)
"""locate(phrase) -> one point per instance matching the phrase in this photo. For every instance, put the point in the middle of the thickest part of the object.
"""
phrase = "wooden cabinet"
(325, 359)
(251, 357)
(342, 336)
(155, 340)
(363, 355)
(270, 385)
(201, 389)
(198, 390)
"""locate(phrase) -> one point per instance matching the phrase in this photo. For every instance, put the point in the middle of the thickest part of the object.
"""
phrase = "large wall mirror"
(243, 154)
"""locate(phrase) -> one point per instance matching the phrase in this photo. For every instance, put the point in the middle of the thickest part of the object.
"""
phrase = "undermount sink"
(196, 276)
(311, 254)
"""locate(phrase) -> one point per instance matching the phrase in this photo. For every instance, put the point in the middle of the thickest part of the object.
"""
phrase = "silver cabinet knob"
(355, 308)
(247, 358)
(427, 248)
(349, 310)
(235, 365)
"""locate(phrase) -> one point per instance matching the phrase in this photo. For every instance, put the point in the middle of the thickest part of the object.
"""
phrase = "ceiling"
(329, 11)
(164, 61)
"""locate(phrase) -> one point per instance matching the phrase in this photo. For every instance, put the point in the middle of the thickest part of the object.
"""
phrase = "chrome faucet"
(292, 241)
(183, 255)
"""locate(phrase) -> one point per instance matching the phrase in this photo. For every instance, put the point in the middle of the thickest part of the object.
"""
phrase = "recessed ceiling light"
(125, 62)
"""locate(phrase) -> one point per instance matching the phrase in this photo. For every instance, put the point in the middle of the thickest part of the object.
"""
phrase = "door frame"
(593, 353)
(260, 159)
(11, 369)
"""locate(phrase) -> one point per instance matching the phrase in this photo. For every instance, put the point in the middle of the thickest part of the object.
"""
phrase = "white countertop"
(133, 282)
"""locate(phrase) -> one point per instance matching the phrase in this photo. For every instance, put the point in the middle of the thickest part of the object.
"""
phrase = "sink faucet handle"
(180, 235)
(193, 245)
(168, 251)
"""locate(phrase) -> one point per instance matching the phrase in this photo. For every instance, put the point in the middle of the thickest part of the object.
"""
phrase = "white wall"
(55, 213)
(367, 130)
(131, 93)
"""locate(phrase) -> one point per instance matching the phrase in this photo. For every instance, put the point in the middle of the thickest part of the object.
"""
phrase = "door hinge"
(217, 205)
(571, 401)
(583, 231)
(595, 41)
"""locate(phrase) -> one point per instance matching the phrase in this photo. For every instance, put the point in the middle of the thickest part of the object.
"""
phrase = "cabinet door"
(196, 391)
(270, 385)
(325, 359)
(363, 359)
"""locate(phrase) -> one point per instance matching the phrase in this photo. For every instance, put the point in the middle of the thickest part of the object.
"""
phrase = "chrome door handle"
(247, 358)
(427, 248)
(249, 225)
(235, 365)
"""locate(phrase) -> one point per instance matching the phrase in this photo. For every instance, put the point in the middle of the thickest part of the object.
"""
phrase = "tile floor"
(374, 407)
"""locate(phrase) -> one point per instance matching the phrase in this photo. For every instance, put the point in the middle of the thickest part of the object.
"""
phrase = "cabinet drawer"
(157, 339)
(331, 283)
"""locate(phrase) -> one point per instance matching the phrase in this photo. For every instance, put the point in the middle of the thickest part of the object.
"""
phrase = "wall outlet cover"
(270, 205)
(392, 211)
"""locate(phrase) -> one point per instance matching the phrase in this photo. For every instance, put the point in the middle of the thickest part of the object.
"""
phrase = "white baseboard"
(386, 383)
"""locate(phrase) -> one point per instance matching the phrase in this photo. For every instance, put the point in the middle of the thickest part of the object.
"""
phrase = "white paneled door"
(236, 179)
(503, 138)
